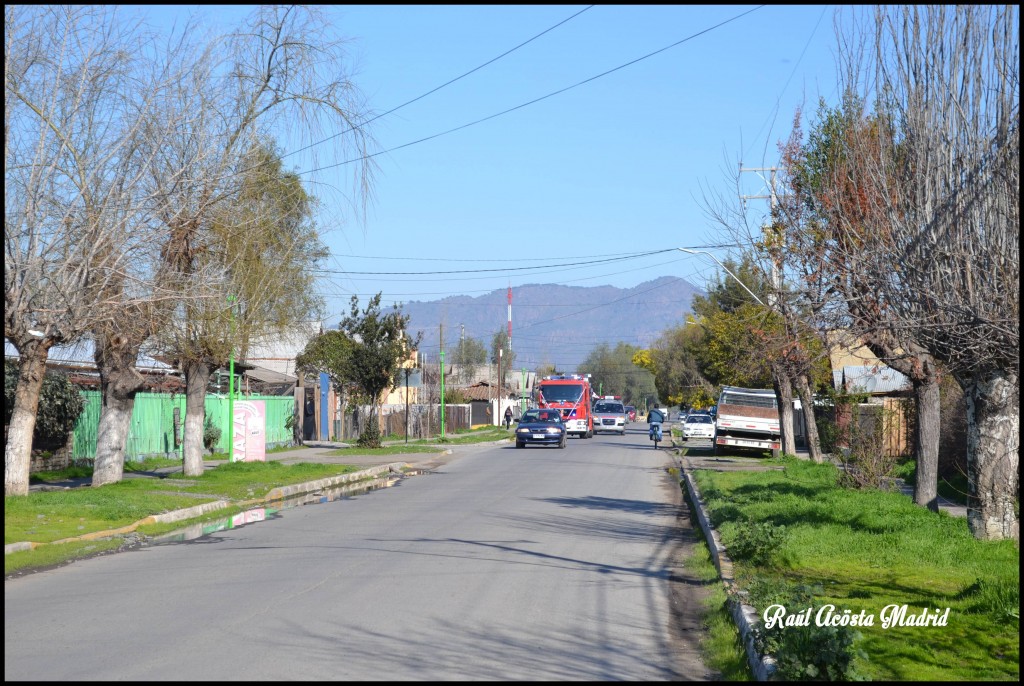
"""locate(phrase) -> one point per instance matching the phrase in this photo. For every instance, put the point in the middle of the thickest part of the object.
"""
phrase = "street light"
(703, 252)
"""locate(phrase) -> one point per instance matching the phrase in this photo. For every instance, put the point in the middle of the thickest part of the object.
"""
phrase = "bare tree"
(278, 69)
(75, 208)
(825, 256)
(942, 227)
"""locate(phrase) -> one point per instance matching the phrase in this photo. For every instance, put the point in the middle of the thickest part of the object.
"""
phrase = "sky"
(614, 124)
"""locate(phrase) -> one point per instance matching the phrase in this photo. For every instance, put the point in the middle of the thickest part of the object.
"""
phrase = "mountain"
(552, 323)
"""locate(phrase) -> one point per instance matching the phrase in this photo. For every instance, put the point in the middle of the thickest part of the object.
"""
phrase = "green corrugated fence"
(152, 426)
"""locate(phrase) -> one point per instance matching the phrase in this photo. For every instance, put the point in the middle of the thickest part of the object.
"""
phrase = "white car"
(698, 426)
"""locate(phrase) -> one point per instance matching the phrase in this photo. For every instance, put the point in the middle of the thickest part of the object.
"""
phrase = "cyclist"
(655, 417)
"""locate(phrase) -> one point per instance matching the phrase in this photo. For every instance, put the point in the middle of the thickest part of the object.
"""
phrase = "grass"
(48, 516)
(869, 549)
(721, 648)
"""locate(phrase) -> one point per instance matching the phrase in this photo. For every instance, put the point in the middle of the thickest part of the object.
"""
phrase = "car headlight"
(554, 431)
(522, 431)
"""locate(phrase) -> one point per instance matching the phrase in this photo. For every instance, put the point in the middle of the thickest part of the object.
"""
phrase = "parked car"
(630, 413)
(698, 426)
(541, 427)
(609, 415)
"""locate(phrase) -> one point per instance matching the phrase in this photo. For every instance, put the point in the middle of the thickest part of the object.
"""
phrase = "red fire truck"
(571, 395)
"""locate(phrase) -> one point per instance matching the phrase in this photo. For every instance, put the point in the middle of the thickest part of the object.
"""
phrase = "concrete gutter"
(745, 616)
(274, 494)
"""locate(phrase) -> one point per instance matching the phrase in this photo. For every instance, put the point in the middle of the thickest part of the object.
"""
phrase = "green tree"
(677, 375)
(60, 405)
(614, 372)
(468, 355)
(501, 343)
(380, 345)
(331, 354)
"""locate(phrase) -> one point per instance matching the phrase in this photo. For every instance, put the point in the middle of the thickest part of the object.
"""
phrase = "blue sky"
(612, 167)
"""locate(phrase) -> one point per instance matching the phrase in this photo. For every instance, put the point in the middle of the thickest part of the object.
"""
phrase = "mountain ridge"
(555, 323)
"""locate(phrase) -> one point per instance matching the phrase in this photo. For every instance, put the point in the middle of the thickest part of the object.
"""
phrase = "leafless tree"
(826, 260)
(944, 237)
(790, 339)
(75, 225)
(279, 69)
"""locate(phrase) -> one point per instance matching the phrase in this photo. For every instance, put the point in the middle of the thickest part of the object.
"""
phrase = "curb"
(187, 513)
(745, 616)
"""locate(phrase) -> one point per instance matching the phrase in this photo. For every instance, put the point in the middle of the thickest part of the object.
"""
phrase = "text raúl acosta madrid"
(890, 616)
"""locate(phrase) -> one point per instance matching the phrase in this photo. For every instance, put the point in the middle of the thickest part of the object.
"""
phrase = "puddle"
(274, 508)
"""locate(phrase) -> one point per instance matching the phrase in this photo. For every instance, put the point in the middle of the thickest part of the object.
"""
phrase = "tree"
(77, 209)
(613, 370)
(277, 69)
(506, 358)
(468, 356)
(60, 405)
(942, 229)
(825, 245)
(380, 345)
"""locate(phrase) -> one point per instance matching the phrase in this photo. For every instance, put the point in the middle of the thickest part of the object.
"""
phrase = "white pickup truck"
(747, 418)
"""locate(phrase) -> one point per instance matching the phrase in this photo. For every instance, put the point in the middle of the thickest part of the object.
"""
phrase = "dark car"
(631, 413)
(540, 426)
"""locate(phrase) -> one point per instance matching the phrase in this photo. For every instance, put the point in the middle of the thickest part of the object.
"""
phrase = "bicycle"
(655, 433)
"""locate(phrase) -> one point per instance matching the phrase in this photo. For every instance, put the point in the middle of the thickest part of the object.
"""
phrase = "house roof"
(873, 379)
(482, 391)
(80, 356)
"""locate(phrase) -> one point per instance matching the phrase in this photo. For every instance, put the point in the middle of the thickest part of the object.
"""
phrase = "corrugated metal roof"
(874, 379)
(80, 354)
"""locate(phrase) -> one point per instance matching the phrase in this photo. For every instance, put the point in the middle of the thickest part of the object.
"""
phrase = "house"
(488, 403)
(888, 393)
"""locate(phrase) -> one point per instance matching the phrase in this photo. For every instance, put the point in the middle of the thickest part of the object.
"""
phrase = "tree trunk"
(119, 382)
(803, 389)
(784, 394)
(926, 443)
(197, 378)
(993, 439)
(18, 452)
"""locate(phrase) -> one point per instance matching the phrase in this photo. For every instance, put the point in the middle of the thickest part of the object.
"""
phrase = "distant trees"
(501, 351)
(468, 356)
(612, 370)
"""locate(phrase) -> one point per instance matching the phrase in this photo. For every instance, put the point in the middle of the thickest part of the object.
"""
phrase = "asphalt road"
(502, 564)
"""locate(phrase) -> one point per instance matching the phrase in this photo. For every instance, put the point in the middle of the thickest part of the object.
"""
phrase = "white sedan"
(698, 426)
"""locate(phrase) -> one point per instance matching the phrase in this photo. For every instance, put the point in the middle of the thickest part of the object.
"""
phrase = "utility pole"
(462, 354)
(776, 250)
(497, 413)
(441, 334)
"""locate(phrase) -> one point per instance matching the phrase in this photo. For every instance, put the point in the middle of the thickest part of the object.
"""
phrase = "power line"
(448, 83)
(536, 100)
(504, 269)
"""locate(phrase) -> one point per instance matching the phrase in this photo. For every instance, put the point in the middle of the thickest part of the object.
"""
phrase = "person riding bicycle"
(655, 418)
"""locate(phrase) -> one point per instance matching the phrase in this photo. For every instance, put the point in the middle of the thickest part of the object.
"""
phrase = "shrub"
(868, 464)
(211, 435)
(817, 653)
(757, 542)
(804, 653)
(369, 437)
(60, 404)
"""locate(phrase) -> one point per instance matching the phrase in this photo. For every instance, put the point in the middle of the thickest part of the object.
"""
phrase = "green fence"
(152, 426)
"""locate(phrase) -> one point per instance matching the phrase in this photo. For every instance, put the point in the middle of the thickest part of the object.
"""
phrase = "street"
(502, 564)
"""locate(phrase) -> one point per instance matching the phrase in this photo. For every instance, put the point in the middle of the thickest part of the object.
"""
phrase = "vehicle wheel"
(622, 433)
(590, 434)
(714, 448)
(520, 444)
(562, 444)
